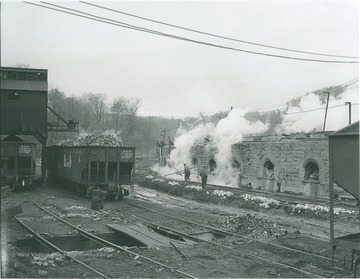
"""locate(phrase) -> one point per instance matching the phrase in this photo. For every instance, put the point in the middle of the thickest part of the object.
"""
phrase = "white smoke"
(227, 132)
(307, 117)
(184, 140)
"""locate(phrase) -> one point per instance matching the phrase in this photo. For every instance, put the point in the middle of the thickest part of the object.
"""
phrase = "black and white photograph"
(179, 139)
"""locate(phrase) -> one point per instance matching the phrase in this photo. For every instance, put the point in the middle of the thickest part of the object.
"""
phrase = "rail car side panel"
(93, 165)
(18, 162)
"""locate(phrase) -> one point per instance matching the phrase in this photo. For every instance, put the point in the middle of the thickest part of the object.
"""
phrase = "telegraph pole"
(327, 105)
(349, 103)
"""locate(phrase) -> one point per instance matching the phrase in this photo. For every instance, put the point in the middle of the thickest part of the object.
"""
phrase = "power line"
(337, 87)
(214, 35)
(129, 26)
(356, 79)
(303, 111)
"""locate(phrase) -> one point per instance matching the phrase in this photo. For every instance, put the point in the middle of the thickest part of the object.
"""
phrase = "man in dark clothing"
(186, 172)
(203, 174)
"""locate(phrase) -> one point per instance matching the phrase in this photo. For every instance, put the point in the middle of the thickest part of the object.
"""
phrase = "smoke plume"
(306, 114)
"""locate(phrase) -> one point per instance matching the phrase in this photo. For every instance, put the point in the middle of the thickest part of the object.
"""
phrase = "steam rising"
(304, 117)
(337, 117)
(222, 136)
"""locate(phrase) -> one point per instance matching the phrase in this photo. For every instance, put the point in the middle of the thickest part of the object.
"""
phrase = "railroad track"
(263, 255)
(93, 238)
(278, 247)
(283, 198)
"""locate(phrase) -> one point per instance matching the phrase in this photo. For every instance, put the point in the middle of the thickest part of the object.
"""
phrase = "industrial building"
(24, 105)
(296, 163)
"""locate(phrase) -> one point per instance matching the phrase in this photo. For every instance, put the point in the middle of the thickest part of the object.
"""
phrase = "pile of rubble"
(264, 202)
(47, 259)
(249, 224)
(193, 187)
(319, 209)
(222, 194)
(93, 140)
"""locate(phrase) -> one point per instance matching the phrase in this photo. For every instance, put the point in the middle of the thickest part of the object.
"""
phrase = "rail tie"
(47, 243)
(105, 242)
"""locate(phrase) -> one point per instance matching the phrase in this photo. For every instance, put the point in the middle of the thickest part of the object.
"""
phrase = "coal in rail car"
(17, 164)
(91, 167)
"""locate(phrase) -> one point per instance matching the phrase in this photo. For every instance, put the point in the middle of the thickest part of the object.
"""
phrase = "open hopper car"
(17, 164)
(88, 167)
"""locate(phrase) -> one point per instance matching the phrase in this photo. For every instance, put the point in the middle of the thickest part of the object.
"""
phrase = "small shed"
(344, 171)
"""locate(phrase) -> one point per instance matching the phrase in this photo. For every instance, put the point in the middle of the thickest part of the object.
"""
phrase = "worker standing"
(187, 172)
(203, 175)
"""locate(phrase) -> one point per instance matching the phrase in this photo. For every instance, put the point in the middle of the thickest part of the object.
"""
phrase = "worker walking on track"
(203, 175)
(187, 172)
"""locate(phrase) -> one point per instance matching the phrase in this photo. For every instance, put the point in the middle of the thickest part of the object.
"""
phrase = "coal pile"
(93, 140)
(250, 225)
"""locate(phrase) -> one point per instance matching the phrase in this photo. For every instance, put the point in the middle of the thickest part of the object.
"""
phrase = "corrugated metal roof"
(350, 129)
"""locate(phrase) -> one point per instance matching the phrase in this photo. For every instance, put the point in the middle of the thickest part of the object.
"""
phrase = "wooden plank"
(142, 234)
(131, 231)
(9, 208)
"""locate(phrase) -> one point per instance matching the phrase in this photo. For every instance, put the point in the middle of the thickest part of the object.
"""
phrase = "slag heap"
(93, 140)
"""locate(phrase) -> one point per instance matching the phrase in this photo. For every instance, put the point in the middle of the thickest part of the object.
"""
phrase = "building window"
(195, 162)
(311, 171)
(13, 96)
(268, 169)
(212, 165)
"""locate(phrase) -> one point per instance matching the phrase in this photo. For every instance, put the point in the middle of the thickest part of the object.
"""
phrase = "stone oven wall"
(293, 158)
(289, 158)
(202, 154)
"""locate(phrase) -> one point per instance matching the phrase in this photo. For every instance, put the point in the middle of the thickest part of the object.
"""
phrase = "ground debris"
(47, 259)
(107, 249)
(249, 224)
(42, 272)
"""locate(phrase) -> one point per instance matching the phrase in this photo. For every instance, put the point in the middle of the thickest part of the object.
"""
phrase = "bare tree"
(133, 106)
(97, 103)
(118, 110)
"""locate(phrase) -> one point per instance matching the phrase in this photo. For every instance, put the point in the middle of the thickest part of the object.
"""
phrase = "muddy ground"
(296, 227)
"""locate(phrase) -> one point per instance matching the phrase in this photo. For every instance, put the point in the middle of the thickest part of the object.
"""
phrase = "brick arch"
(270, 158)
(195, 161)
(318, 162)
(212, 165)
(239, 162)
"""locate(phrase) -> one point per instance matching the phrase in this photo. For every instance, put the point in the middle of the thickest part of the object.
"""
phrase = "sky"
(177, 78)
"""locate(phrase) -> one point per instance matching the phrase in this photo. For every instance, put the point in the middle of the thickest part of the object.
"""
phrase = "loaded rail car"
(88, 167)
(17, 164)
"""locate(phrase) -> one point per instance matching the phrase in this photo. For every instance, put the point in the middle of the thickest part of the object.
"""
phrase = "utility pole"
(349, 103)
(327, 105)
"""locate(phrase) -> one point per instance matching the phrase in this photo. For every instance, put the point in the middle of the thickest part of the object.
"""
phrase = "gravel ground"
(303, 230)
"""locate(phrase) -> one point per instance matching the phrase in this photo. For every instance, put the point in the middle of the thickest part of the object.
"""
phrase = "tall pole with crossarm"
(327, 105)
(349, 103)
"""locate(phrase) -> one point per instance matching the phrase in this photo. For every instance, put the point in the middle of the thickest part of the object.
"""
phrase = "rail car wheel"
(120, 195)
(81, 189)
